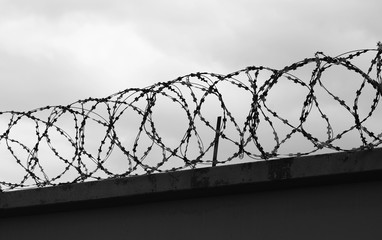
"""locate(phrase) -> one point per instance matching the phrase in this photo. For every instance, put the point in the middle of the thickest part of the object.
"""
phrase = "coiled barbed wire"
(87, 150)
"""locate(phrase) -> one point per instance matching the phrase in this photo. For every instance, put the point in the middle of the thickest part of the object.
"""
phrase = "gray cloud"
(56, 52)
(59, 51)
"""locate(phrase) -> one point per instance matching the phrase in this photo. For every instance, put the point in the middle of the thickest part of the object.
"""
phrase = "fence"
(80, 141)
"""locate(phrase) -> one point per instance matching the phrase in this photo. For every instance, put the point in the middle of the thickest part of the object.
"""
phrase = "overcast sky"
(58, 51)
(55, 52)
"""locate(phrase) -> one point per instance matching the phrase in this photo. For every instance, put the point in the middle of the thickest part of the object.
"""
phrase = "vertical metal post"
(216, 142)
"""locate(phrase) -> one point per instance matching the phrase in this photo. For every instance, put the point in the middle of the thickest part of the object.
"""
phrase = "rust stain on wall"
(278, 170)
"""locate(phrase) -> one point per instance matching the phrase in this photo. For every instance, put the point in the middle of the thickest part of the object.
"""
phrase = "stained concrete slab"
(251, 176)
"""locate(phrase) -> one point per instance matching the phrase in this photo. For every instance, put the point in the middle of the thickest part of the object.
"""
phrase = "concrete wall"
(335, 196)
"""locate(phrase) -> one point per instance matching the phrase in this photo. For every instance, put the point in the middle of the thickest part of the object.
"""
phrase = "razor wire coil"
(190, 93)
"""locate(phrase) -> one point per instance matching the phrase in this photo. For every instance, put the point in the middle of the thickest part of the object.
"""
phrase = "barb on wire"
(120, 135)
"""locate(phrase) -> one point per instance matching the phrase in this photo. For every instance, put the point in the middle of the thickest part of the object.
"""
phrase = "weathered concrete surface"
(335, 196)
(251, 176)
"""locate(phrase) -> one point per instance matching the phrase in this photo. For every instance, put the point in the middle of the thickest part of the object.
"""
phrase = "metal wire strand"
(82, 157)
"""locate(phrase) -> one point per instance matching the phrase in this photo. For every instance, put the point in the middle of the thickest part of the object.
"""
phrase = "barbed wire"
(84, 158)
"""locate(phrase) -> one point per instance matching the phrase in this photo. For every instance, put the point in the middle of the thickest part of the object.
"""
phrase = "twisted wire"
(87, 153)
